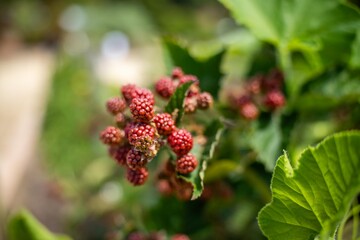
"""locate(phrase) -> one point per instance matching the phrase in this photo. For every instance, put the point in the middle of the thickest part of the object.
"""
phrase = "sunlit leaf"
(313, 198)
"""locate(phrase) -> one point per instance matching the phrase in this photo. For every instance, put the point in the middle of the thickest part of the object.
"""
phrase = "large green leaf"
(206, 69)
(319, 32)
(311, 199)
(25, 226)
(213, 133)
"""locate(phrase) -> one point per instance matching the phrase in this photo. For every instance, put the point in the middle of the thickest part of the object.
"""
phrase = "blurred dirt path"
(25, 79)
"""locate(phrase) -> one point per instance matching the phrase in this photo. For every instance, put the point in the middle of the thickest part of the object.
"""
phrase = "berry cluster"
(195, 99)
(140, 132)
(259, 92)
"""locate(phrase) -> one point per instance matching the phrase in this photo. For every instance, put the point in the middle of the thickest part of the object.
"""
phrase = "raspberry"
(177, 72)
(120, 120)
(249, 111)
(165, 87)
(119, 153)
(115, 105)
(135, 159)
(204, 100)
(180, 141)
(127, 90)
(274, 99)
(142, 110)
(186, 164)
(141, 136)
(164, 123)
(190, 105)
(180, 237)
(131, 91)
(137, 176)
(111, 135)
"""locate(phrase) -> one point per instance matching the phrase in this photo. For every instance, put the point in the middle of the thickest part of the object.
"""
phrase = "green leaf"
(25, 226)
(313, 198)
(212, 133)
(176, 101)
(266, 141)
(206, 69)
(319, 32)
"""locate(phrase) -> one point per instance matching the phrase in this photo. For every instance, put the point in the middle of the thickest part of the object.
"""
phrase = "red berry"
(115, 105)
(141, 136)
(186, 164)
(137, 176)
(135, 159)
(127, 90)
(180, 237)
(177, 73)
(165, 87)
(274, 99)
(164, 123)
(190, 105)
(120, 120)
(142, 109)
(119, 153)
(204, 100)
(180, 141)
(143, 93)
(131, 91)
(111, 135)
(249, 111)
(241, 100)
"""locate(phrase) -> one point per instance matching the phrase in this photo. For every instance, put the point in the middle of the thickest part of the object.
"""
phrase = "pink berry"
(249, 111)
(135, 159)
(141, 136)
(115, 105)
(177, 73)
(118, 153)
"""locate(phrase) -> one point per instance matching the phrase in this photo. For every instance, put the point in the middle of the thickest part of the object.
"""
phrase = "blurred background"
(59, 62)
